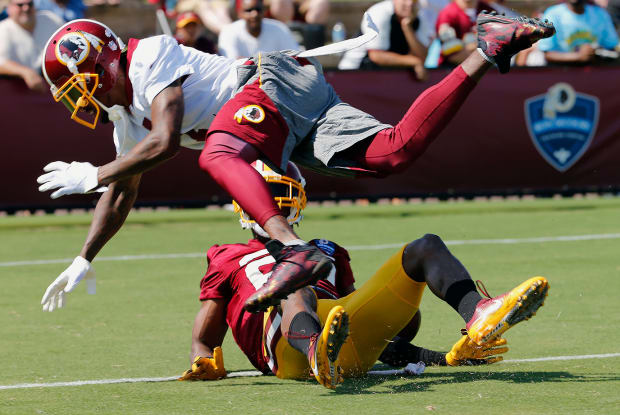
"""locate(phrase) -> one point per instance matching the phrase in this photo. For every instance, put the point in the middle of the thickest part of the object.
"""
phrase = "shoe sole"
(541, 24)
(333, 337)
(531, 298)
(260, 302)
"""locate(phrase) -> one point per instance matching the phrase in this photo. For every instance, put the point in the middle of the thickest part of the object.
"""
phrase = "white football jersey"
(158, 61)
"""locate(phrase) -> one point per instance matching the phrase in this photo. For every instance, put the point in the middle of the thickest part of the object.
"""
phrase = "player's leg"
(386, 306)
(428, 260)
(394, 149)
(301, 327)
(227, 160)
(380, 309)
(400, 352)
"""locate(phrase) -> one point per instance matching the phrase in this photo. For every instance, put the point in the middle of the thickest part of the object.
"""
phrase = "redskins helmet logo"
(73, 48)
(252, 113)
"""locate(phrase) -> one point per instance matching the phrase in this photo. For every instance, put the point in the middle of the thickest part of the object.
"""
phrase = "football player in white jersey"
(276, 106)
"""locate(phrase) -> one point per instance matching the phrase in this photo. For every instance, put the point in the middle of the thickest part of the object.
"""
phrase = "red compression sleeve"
(394, 149)
(227, 159)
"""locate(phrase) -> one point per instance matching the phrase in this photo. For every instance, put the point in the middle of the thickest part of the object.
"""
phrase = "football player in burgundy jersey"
(310, 328)
(162, 95)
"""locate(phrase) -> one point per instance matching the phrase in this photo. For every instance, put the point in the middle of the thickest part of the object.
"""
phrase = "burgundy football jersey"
(236, 271)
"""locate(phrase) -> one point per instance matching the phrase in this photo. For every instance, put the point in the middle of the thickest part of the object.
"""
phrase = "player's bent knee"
(425, 246)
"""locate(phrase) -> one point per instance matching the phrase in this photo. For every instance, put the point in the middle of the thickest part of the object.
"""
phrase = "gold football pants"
(378, 311)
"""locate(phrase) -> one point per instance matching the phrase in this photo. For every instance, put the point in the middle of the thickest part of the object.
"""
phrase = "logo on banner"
(562, 123)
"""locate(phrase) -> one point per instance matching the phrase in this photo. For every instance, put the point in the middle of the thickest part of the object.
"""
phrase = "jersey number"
(252, 263)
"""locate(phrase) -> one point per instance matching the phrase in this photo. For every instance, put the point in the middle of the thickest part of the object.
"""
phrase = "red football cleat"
(296, 266)
(501, 37)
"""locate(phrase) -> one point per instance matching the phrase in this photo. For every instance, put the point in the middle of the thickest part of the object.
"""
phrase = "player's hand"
(54, 296)
(207, 368)
(466, 352)
(69, 178)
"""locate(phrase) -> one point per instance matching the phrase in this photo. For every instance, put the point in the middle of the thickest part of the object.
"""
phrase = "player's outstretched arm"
(110, 214)
(207, 336)
(160, 144)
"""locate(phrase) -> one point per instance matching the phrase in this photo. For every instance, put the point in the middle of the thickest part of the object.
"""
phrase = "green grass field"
(138, 324)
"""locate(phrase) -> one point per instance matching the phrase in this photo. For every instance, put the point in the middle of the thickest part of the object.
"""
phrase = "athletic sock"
(400, 353)
(463, 297)
(303, 326)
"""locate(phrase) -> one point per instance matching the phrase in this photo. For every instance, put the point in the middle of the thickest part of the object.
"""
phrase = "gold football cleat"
(326, 346)
(493, 316)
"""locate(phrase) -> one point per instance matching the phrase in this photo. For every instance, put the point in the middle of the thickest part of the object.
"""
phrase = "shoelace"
(482, 289)
(295, 335)
(312, 352)
(484, 292)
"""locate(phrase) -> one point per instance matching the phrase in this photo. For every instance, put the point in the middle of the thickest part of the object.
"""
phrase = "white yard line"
(251, 373)
(551, 358)
(505, 241)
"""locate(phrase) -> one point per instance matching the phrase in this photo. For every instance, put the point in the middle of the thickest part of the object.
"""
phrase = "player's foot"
(325, 347)
(296, 266)
(501, 37)
(493, 316)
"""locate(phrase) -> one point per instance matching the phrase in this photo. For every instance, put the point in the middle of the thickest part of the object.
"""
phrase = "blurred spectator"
(584, 32)
(253, 33)
(23, 36)
(65, 9)
(456, 26)
(215, 14)
(190, 32)
(402, 42)
(307, 11)
(104, 2)
(613, 7)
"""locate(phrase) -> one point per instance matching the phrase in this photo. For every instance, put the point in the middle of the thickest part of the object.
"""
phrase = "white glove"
(54, 296)
(69, 178)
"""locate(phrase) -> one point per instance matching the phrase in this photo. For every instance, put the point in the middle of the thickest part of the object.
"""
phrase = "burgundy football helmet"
(288, 193)
(81, 61)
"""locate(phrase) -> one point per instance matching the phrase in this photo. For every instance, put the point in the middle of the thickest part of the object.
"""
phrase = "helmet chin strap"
(259, 231)
(118, 116)
(115, 112)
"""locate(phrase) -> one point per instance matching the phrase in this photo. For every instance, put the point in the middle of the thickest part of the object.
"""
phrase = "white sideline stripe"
(248, 373)
(551, 358)
(506, 241)
(251, 373)
(105, 258)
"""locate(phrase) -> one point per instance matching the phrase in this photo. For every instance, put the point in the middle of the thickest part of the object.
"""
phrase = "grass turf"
(139, 323)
